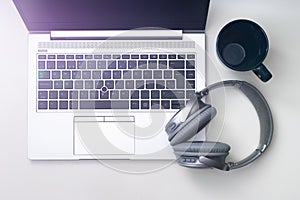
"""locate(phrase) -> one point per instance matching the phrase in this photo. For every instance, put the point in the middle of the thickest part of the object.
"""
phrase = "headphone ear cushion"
(192, 127)
(204, 148)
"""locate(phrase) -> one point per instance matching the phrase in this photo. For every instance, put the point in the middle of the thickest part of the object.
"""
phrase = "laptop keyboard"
(115, 81)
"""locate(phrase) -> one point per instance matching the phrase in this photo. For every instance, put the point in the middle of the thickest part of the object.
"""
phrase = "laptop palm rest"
(104, 135)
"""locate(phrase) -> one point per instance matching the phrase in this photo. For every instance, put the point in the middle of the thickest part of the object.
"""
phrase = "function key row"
(115, 56)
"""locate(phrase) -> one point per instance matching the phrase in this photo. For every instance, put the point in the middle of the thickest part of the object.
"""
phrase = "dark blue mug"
(242, 45)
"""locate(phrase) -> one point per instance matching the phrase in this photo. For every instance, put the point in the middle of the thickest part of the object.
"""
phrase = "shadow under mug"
(242, 45)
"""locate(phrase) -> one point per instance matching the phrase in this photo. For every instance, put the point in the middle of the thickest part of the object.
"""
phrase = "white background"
(273, 176)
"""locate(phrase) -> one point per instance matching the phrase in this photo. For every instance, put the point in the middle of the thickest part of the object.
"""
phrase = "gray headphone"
(188, 121)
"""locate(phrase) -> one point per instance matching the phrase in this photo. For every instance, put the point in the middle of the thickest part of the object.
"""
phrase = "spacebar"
(104, 104)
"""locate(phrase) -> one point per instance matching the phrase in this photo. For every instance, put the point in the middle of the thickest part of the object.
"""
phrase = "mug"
(242, 45)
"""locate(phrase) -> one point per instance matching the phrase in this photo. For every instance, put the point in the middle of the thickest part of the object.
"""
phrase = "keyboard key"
(124, 94)
(73, 104)
(96, 74)
(119, 84)
(42, 105)
(142, 64)
(43, 94)
(127, 74)
(104, 95)
(122, 64)
(168, 74)
(155, 104)
(135, 56)
(139, 84)
(53, 105)
(45, 85)
(180, 79)
(170, 84)
(160, 84)
(137, 74)
(190, 84)
(145, 94)
(162, 64)
(94, 94)
(63, 94)
(61, 57)
(147, 74)
(126, 56)
(63, 104)
(190, 94)
(114, 94)
(88, 56)
(70, 56)
(106, 74)
(53, 94)
(61, 65)
(191, 56)
(111, 64)
(71, 64)
(101, 64)
(155, 94)
(73, 94)
(172, 94)
(91, 64)
(190, 74)
(68, 85)
(66, 74)
(176, 64)
(152, 64)
(116, 104)
(55, 74)
(157, 74)
(190, 64)
(84, 94)
(129, 84)
(76, 74)
(97, 56)
(106, 56)
(41, 64)
(172, 56)
(145, 105)
(144, 56)
(132, 64)
(177, 104)
(51, 57)
(44, 74)
(109, 84)
(81, 64)
(134, 94)
(153, 56)
(79, 57)
(79, 84)
(88, 84)
(42, 56)
(165, 104)
(150, 84)
(50, 64)
(116, 56)
(99, 84)
(86, 75)
(134, 104)
(163, 56)
(181, 56)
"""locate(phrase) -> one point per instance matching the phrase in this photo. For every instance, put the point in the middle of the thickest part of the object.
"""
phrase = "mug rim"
(257, 26)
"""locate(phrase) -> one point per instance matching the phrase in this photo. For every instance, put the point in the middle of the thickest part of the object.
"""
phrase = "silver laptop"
(105, 76)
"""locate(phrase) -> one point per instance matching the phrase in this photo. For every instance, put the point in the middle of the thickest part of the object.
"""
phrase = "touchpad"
(104, 135)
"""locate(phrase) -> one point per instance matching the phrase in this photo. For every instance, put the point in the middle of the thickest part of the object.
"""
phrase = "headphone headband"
(263, 111)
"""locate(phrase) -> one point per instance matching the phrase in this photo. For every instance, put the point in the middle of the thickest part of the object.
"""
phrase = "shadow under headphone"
(187, 122)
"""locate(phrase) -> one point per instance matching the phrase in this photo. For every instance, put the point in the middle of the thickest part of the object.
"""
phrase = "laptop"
(105, 76)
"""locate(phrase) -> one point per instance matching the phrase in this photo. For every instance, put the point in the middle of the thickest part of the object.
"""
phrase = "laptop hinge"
(117, 35)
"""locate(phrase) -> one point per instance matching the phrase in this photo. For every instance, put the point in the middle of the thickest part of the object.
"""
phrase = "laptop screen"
(46, 15)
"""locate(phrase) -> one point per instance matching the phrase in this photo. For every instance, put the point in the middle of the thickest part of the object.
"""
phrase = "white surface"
(274, 176)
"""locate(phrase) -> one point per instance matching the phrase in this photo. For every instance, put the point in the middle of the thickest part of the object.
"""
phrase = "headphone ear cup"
(192, 127)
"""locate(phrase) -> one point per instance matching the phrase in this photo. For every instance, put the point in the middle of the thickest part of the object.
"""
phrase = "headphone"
(188, 121)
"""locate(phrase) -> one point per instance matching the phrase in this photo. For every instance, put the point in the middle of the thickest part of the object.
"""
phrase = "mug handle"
(263, 73)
